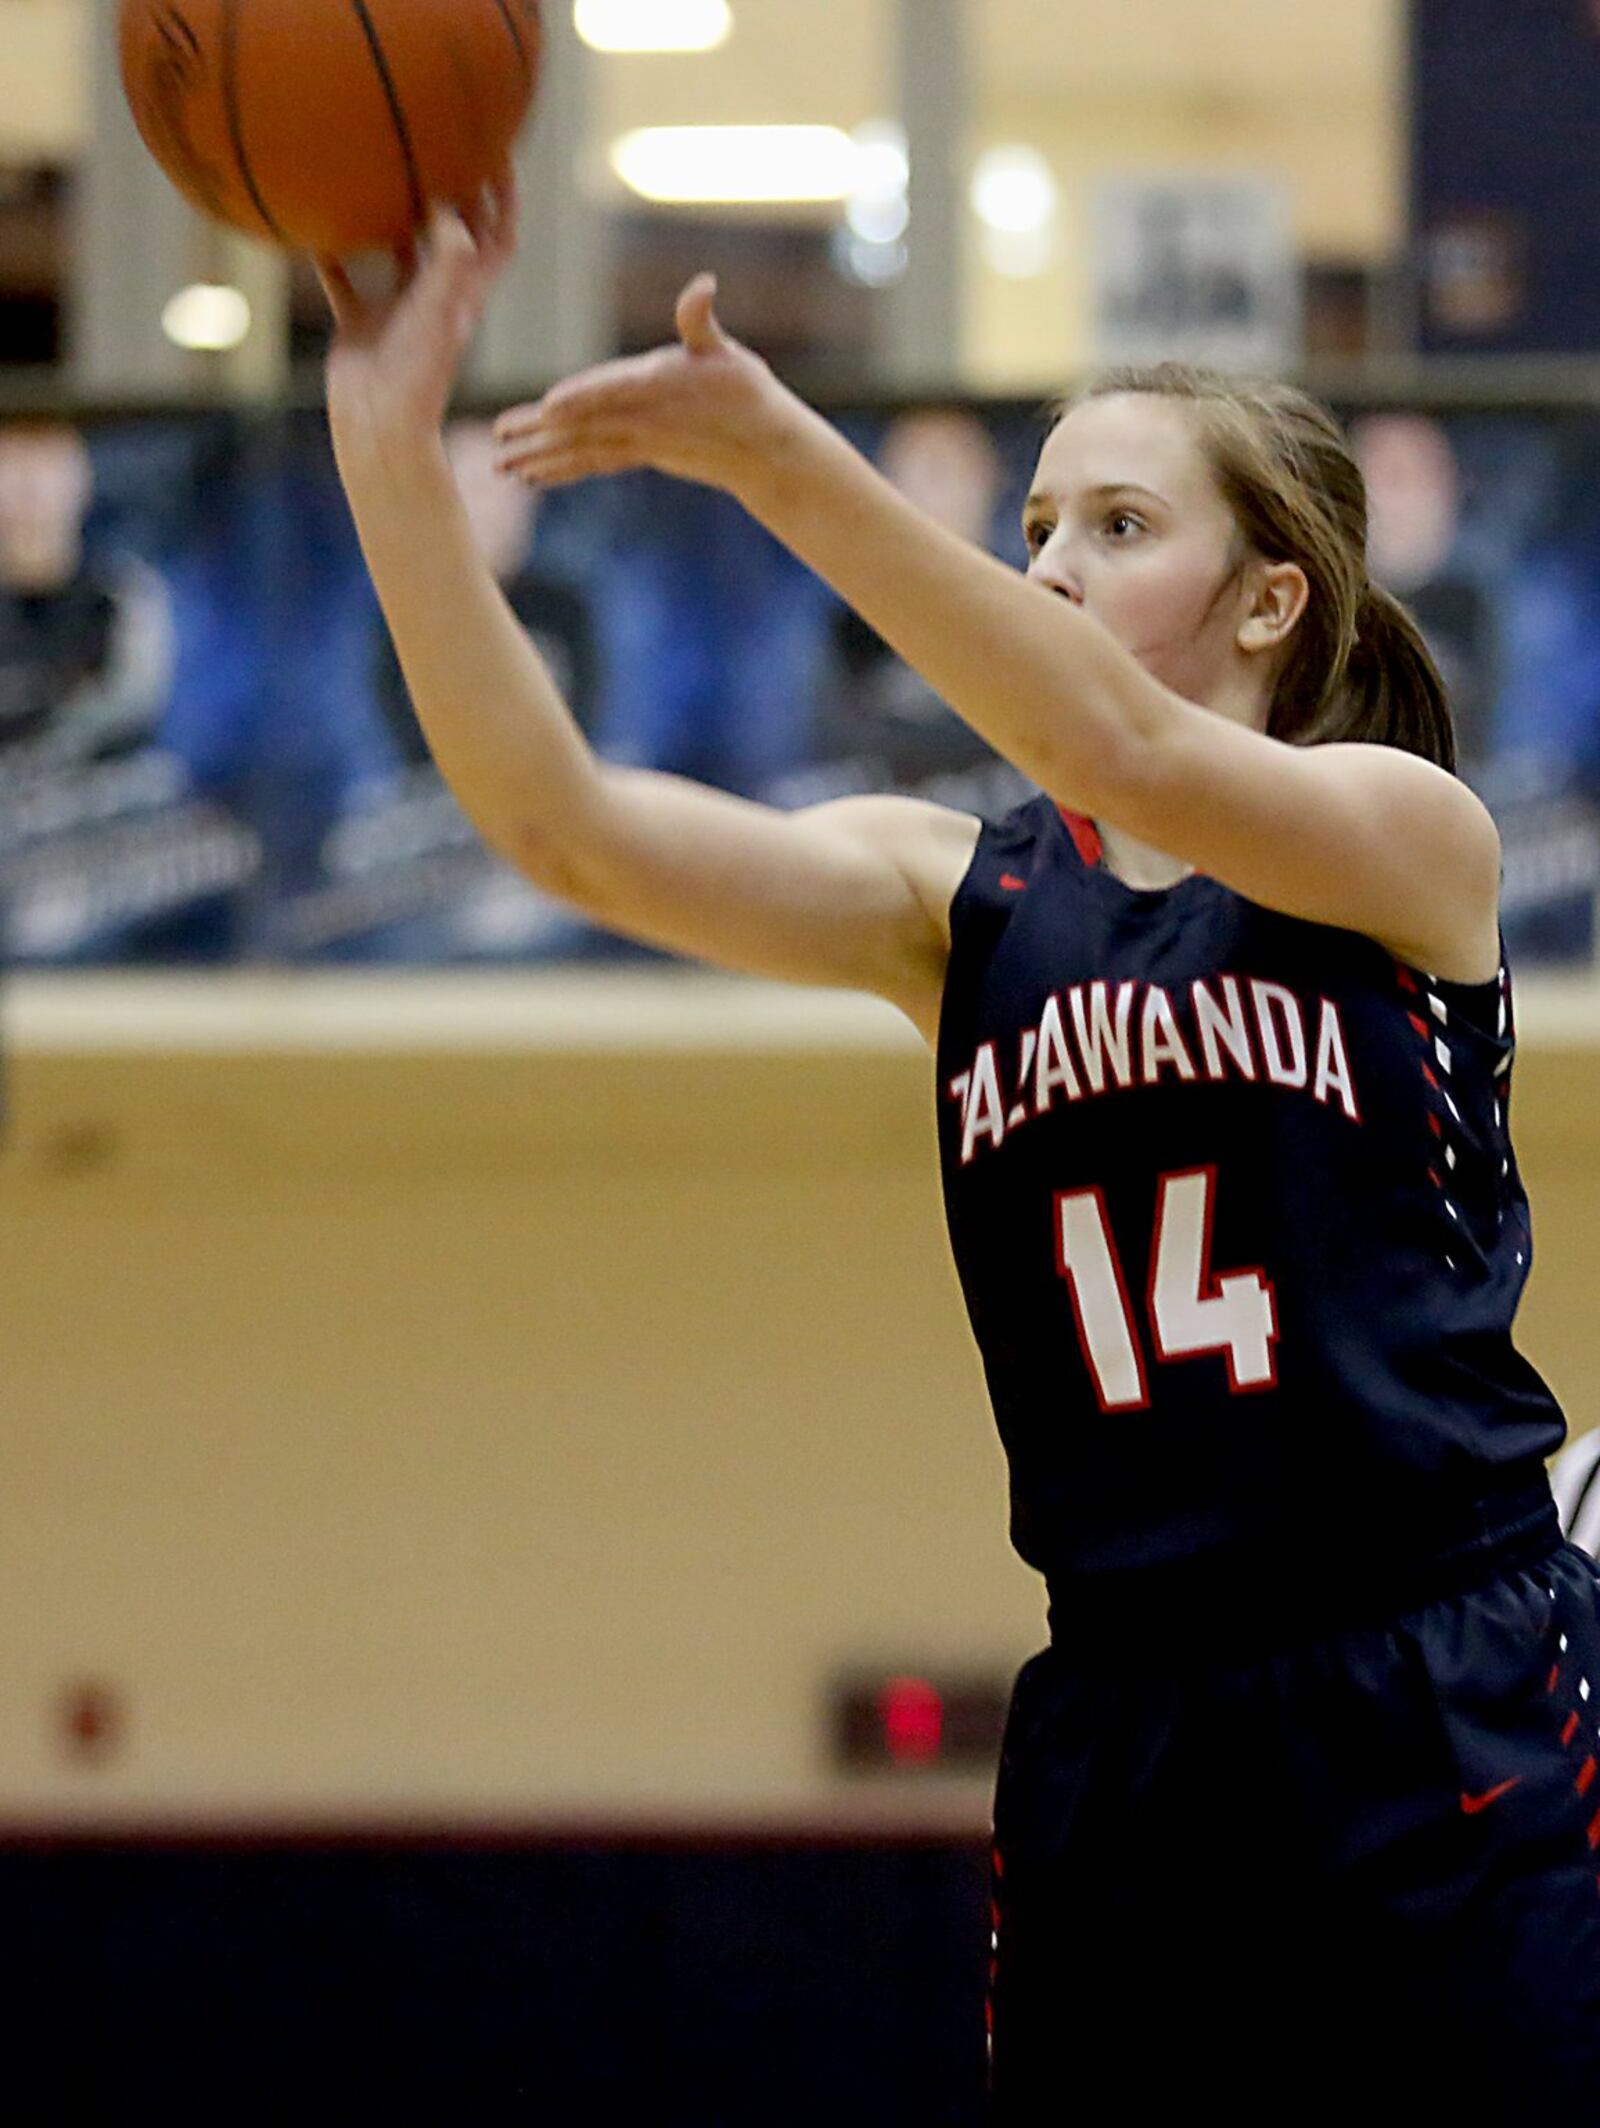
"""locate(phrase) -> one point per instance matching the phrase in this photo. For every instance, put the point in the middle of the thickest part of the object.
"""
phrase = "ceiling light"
(878, 221)
(883, 159)
(1014, 190)
(726, 164)
(207, 317)
(653, 25)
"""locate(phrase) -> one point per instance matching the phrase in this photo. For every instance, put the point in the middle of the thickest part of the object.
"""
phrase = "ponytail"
(1390, 692)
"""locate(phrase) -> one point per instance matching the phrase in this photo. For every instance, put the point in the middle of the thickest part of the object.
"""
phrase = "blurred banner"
(1505, 169)
(207, 752)
(1198, 269)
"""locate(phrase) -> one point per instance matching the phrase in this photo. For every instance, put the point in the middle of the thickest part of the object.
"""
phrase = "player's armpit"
(1362, 836)
(854, 893)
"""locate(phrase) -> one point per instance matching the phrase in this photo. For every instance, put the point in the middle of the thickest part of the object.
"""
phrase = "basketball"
(328, 125)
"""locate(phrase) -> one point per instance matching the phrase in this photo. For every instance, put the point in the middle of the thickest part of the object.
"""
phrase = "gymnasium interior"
(504, 1541)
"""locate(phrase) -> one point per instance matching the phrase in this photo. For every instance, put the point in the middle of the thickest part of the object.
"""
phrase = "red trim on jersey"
(1420, 1025)
(1404, 977)
(1084, 834)
(1587, 1773)
(1011, 881)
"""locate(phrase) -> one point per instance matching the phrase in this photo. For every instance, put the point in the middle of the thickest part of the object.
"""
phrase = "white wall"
(517, 1433)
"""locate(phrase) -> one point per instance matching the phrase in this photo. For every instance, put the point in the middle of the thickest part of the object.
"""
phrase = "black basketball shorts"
(1361, 1875)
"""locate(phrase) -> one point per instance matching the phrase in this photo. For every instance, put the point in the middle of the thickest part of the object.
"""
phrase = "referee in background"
(1575, 1481)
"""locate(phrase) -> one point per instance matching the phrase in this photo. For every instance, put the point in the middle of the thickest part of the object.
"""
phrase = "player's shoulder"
(931, 844)
(1395, 778)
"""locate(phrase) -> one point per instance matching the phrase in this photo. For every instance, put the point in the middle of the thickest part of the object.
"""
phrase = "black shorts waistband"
(1255, 1601)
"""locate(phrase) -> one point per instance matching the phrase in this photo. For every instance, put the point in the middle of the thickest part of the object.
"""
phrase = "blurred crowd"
(207, 751)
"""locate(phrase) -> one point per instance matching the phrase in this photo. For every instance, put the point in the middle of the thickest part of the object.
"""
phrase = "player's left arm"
(1363, 837)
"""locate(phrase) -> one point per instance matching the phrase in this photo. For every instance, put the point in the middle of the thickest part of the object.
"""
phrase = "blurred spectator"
(1502, 573)
(1548, 726)
(398, 871)
(86, 645)
(714, 637)
(503, 513)
(1415, 510)
(881, 727)
(106, 852)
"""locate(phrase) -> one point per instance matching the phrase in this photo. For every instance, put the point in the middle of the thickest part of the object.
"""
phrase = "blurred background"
(504, 1549)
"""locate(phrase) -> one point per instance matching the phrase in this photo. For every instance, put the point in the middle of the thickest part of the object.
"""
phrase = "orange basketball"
(327, 125)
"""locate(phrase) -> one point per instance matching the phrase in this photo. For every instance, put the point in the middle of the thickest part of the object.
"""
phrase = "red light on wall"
(91, 1721)
(918, 1722)
(913, 1719)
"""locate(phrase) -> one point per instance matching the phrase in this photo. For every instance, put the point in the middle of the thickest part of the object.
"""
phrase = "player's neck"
(1136, 864)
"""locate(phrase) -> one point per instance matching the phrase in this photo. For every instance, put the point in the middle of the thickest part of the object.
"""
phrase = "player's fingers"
(498, 203)
(609, 392)
(449, 245)
(348, 309)
(515, 421)
(480, 216)
(566, 431)
(699, 327)
(509, 196)
(559, 461)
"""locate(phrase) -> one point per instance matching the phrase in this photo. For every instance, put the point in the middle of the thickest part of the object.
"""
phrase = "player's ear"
(1279, 594)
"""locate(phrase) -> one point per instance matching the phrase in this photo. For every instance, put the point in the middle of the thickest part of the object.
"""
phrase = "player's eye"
(1122, 522)
(1036, 535)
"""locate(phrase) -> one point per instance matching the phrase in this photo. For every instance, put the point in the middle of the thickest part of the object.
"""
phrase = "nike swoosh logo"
(1472, 1804)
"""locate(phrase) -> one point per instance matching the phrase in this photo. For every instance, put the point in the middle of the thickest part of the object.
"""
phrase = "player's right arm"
(854, 893)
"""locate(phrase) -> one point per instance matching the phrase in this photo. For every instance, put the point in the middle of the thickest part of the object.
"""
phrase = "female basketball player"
(1300, 1806)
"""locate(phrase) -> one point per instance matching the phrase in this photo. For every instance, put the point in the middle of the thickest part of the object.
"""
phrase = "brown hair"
(1357, 666)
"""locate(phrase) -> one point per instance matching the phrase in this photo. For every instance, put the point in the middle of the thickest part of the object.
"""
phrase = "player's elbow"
(552, 862)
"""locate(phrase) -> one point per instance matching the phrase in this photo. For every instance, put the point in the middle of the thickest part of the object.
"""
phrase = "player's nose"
(1051, 576)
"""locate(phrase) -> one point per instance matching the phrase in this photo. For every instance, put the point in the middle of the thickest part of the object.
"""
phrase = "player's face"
(1126, 519)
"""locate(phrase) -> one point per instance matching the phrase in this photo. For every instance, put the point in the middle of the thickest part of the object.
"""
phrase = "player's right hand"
(393, 358)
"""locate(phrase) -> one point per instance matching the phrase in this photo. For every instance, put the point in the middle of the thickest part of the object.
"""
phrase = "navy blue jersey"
(1237, 1220)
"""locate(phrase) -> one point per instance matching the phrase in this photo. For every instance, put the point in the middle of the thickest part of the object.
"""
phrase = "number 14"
(1191, 1311)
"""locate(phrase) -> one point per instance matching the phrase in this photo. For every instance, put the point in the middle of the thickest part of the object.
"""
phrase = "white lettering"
(1098, 1040)
(1269, 998)
(1055, 1060)
(1264, 1036)
(1161, 1041)
(1333, 1065)
(984, 1116)
(1229, 1029)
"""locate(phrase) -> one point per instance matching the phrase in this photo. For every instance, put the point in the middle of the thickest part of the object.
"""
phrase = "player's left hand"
(705, 409)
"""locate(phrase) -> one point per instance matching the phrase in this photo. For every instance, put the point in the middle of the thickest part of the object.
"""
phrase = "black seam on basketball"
(230, 100)
(515, 34)
(419, 206)
(169, 22)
